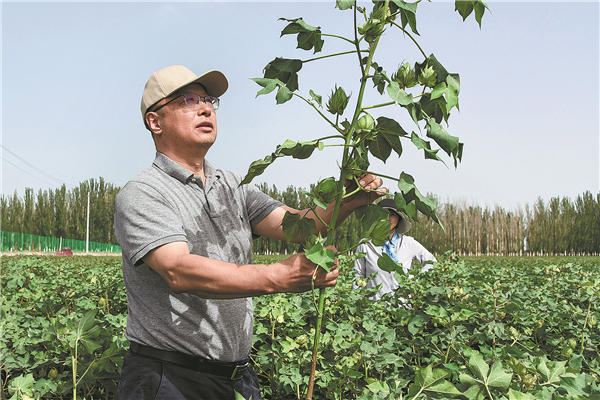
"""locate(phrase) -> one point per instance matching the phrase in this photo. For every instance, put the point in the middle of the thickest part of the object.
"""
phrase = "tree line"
(558, 226)
(62, 212)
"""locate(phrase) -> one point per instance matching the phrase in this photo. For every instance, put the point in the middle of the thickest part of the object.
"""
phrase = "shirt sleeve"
(423, 255)
(145, 220)
(258, 204)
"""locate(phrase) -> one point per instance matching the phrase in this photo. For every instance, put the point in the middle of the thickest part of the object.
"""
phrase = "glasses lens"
(193, 101)
(214, 101)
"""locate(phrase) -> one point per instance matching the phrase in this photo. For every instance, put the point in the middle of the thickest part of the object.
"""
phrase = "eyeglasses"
(192, 101)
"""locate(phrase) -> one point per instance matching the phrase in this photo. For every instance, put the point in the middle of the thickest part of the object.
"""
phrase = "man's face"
(394, 220)
(185, 126)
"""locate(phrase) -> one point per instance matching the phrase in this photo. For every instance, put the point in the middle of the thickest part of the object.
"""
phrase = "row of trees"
(62, 212)
(559, 226)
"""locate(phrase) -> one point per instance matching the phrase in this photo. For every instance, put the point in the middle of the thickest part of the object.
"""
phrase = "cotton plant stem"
(338, 203)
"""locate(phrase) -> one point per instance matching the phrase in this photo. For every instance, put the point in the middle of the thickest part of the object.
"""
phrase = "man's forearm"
(210, 278)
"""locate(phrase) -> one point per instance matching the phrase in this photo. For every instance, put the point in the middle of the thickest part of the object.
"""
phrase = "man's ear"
(153, 123)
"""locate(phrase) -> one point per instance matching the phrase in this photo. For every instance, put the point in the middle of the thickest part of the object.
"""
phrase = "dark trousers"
(144, 378)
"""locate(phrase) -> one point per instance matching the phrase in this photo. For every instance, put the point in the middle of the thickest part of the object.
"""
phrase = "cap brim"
(213, 81)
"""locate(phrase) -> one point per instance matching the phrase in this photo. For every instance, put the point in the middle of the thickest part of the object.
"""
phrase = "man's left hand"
(372, 191)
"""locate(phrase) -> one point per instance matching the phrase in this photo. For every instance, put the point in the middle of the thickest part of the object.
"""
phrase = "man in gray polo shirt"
(185, 228)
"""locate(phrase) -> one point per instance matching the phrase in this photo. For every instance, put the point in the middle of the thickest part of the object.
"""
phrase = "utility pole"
(87, 227)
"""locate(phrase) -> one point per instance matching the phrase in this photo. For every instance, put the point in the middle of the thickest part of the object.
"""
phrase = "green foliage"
(497, 324)
(63, 321)
(448, 344)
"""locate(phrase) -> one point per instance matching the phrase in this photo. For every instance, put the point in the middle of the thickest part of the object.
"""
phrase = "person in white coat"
(401, 248)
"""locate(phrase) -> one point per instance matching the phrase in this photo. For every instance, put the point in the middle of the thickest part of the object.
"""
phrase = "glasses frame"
(203, 99)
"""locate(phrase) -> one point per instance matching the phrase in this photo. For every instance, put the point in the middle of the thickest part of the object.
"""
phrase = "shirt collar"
(180, 173)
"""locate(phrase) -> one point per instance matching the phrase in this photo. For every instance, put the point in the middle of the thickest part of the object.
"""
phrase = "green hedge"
(14, 241)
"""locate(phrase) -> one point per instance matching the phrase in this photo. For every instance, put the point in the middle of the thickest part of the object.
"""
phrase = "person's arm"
(423, 255)
(209, 278)
(271, 225)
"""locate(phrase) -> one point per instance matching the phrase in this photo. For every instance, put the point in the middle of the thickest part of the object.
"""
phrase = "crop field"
(474, 328)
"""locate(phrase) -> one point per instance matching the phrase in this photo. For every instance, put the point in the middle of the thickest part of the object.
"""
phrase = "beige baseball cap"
(166, 81)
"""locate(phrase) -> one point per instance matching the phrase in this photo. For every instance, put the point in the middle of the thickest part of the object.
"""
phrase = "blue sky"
(73, 73)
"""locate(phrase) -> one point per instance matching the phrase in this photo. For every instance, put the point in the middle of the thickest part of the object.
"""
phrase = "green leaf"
(316, 97)
(498, 378)
(478, 366)
(297, 25)
(374, 222)
(379, 232)
(86, 323)
(406, 182)
(308, 36)
(283, 94)
(432, 380)
(438, 91)
(475, 392)
(447, 142)
(325, 192)
(453, 82)
(268, 85)
(345, 4)
(391, 130)
(238, 396)
(324, 258)
(479, 7)
(444, 388)
(408, 14)
(398, 94)
(516, 395)
(574, 385)
(298, 150)
(284, 69)
(295, 227)
(440, 72)
(425, 146)
(464, 8)
(386, 263)
(380, 147)
(256, 168)
(390, 127)
(551, 371)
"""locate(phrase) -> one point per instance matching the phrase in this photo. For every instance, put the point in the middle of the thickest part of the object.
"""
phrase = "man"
(185, 228)
(401, 248)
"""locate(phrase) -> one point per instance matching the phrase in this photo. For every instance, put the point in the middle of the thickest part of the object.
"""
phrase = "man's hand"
(373, 190)
(295, 274)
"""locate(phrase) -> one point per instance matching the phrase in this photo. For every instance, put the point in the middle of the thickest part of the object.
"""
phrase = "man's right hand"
(295, 274)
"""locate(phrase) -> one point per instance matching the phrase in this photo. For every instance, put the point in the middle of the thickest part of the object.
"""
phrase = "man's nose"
(205, 108)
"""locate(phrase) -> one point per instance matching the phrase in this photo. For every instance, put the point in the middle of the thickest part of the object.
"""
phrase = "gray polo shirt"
(166, 203)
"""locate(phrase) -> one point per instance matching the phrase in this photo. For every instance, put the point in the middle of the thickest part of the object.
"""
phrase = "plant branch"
(337, 36)
(356, 43)
(411, 37)
(389, 103)
(320, 113)
(334, 55)
(346, 251)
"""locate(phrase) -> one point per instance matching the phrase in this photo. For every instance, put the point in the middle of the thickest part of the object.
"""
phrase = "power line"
(30, 165)
(27, 172)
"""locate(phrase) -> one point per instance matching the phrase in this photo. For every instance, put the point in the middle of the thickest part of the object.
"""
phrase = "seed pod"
(366, 123)
(337, 101)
